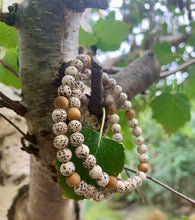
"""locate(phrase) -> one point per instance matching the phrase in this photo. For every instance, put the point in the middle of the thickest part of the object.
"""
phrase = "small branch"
(29, 149)
(165, 186)
(112, 70)
(183, 66)
(14, 105)
(10, 18)
(9, 68)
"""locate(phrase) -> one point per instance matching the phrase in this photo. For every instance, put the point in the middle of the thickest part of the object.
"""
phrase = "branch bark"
(9, 68)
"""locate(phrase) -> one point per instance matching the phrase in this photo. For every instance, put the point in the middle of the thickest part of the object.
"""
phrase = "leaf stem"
(102, 125)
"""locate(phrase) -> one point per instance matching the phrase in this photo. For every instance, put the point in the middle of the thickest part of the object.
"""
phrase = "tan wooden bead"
(73, 114)
(143, 167)
(73, 180)
(113, 183)
(89, 61)
(130, 114)
(61, 102)
(111, 109)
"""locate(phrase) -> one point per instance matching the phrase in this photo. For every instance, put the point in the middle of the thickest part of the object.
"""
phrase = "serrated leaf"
(8, 36)
(110, 156)
(7, 77)
(171, 110)
(85, 38)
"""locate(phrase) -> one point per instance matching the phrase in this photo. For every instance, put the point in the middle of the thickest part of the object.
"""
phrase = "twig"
(112, 70)
(140, 195)
(9, 68)
(165, 186)
(183, 66)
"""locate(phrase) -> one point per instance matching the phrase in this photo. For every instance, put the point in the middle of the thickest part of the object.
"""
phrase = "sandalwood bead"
(89, 61)
(73, 114)
(111, 109)
(143, 167)
(73, 180)
(113, 183)
(130, 114)
(61, 102)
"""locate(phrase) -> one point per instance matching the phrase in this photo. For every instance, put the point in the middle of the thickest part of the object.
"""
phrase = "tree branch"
(9, 68)
(10, 18)
(183, 66)
(165, 186)
(14, 105)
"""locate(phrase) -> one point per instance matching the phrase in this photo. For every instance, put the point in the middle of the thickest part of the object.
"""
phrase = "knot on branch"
(10, 18)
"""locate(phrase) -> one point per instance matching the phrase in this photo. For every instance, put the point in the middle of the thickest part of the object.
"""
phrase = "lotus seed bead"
(89, 161)
(95, 172)
(64, 155)
(137, 131)
(107, 194)
(83, 58)
(83, 78)
(74, 126)
(87, 72)
(73, 180)
(76, 139)
(111, 83)
(72, 71)
(143, 167)
(59, 115)
(81, 189)
(115, 128)
(117, 137)
(105, 77)
(89, 61)
(142, 175)
(109, 100)
(66, 169)
(69, 81)
(117, 90)
(132, 182)
(80, 85)
(103, 180)
(112, 184)
(133, 123)
(82, 151)
(61, 141)
(61, 102)
(141, 149)
(60, 128)
(111, 109)
(64, 91)
(143, 158)
(138, 180)
(123, 97)
(73, 114)
(130, 114)
(98, 196)
(77, 63)
(139, 140)
(126, 106)
(120, 187)
(114, 119)
(77, 93)
(74, 102)
(119, 177)
(90, 191)
(128, 187)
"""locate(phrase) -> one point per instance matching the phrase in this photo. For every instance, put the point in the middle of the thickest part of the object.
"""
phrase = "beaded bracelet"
(67, 104)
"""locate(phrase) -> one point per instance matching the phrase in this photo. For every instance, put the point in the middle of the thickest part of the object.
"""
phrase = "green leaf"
(8, 36)
(185, 218)
(109, 33)
(7, 77)
(171, 110)
(85, 38)
(110, 156)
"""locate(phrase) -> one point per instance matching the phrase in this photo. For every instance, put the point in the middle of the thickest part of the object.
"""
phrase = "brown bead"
(73, 114)
(61, 102)
(113, 183)
(130, 114)
(89, 61)
(143, 167)
(73, 180)
(111, 109)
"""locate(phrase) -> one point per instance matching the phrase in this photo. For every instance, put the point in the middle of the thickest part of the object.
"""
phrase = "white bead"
(59, 115)
(107, 194)
(74, 126)
(89, 161)
(98, 196)
(126, 106)
(141, 149)
(103, 180)
(117, 90)
(95, 172)
(142, 175)
(120, 187)
(83, 78)
(77, 93)
(87, 72)
(81, 189)
(109, 100)
(72, 71)
(132, 182)
(117, 137)
(77, 63)
(82, 151)
(105, 76)
(137, 131)
(61, 141)
(115, 128)
(76, 139)
(111, 83)
(123, 97)
(64, 91)
(69, 81)
(74, 102)
(114, 119)
(83, 58)
(64, 155)
(119, 177)
(90, 191)
(133, 123)
(66, 169)
(128, 187)
(80, 85)
(143, 158)
(60, 128)
(138, 180)
(139, 140)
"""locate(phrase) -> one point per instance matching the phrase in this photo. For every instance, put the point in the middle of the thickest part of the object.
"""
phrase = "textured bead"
(64, 155)
(137, 131)
(82, 151)
(95, 172)
(76, 139)
(81, 189)
(61, 102)
(77, 93)
(77, 63)
(139, 140)
(73, 114)
(66, 169)
(143, 167)
(130, 114)
(138, 180)
(89, 161)
(114, 119)
(107, 194)
(119, 177)
(98, 196)
(132, 182)
(74, 126)
(123, 97)
(105, 77)
(141, 149)
(83, 58)
(83, 78)
(60, 128)
(59, 115)
(103, 180)
(64, 91)
(143, 158)
(117, 137)
(133, 123)
(128, 187)
(69, 81)
(112, 184)
(73, 180)
(89, 61)
(90, 191)
(80, 85)
(87, 72)
(61, 141)
(117, 90)
(126, 106)
(74, 102)
(109, 100)
(142, 175)
(115, 128)
(111, 83)
(72, 71)
(120, 187)
(111, 109)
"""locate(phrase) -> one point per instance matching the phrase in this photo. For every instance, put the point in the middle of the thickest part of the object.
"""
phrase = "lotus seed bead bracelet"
(67, 129)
